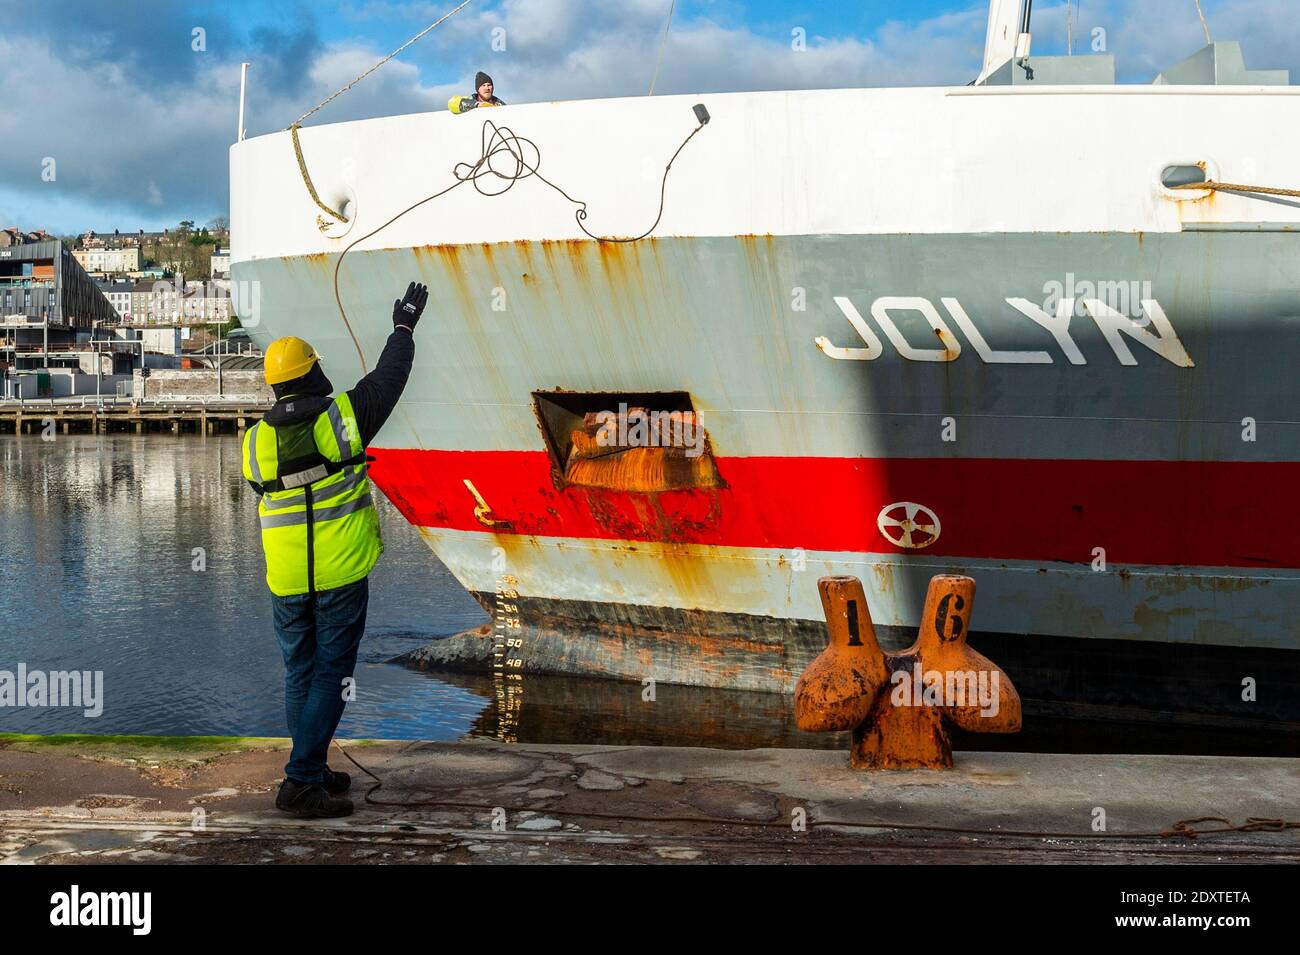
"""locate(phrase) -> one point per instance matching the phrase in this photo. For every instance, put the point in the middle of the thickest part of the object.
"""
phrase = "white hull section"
(888, 161)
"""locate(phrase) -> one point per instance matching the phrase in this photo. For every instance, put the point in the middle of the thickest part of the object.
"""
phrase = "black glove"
(407, 311)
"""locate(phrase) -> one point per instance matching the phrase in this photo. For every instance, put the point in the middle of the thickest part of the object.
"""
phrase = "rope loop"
(504, 159)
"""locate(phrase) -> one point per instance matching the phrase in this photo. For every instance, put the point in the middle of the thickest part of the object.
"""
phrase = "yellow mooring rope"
(306, 176)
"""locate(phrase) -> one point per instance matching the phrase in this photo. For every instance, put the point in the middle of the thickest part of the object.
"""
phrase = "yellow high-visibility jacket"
(319, 526)
(463, 104)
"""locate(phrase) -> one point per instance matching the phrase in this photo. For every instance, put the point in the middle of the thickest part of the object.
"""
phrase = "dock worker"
(482, 96)
(320, 536)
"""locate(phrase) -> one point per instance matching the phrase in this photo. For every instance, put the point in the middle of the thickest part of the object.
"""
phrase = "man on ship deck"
(320, 536)
(482, 96)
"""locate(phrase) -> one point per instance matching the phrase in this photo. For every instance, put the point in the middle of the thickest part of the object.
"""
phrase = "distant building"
(12, 237)
(109, 261)
(161, 341)
(119, 296)
(42, 282)
(177, 302)
(155, 302)
(221, 264)
(120, 240)
(207, 302)
(49, 311)
(153, 273)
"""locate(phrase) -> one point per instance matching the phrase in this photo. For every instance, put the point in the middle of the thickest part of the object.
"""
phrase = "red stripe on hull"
(1197, 513)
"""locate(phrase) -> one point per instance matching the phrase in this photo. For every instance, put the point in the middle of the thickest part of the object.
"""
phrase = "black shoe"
(311, 801)
(336, 784)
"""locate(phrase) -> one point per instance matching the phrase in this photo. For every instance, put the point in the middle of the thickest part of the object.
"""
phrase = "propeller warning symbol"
(908, 525)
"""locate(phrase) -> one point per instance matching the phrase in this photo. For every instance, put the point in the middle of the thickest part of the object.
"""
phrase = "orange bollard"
(899, 704)
(834, 693)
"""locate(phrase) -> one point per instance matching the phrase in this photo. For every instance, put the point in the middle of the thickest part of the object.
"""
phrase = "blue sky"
(137, 121)
(389, 25)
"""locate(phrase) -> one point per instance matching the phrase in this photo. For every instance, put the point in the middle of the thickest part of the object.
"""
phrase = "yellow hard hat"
(287, 359)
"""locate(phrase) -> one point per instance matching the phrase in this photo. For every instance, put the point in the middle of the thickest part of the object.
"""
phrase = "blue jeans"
(319, 635)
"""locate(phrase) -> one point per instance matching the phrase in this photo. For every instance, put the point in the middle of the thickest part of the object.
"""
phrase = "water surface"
(98, 542)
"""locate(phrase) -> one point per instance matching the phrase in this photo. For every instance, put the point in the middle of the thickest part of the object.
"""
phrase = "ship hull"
(1116, 475)
(1097, 680)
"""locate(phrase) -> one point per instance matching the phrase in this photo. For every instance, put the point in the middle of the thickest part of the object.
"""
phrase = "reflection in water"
(100, 536)
(557, 709)
(607, 712)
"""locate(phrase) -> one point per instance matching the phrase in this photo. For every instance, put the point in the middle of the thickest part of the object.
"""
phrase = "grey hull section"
(1204, 376)
(734, 321)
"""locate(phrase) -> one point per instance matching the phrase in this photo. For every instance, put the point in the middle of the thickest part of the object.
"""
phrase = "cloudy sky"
(138, 121)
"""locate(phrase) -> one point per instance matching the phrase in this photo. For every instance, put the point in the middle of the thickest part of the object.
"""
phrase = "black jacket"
(373, 398)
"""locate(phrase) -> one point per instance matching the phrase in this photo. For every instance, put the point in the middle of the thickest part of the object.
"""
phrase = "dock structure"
(484, 801)
(137, 417)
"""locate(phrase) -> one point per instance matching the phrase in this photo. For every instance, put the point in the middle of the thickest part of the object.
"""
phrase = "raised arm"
(376, 395)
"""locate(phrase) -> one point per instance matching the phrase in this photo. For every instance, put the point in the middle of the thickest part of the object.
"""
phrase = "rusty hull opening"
(625, 441)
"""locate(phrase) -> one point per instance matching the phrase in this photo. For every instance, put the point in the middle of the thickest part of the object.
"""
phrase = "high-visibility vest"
(319, 526)
(463, 104)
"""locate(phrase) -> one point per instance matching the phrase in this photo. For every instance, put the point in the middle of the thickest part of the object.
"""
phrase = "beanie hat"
(480, 78)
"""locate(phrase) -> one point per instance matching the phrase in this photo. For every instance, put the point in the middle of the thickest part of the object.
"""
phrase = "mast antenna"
(243, 84)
